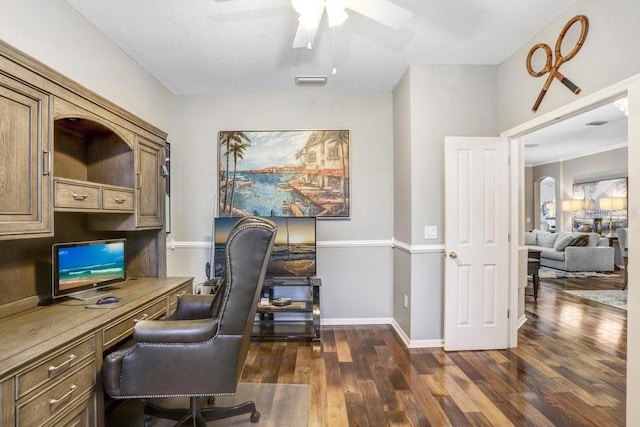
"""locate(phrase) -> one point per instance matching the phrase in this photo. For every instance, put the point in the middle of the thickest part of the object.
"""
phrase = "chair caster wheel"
(147, 421)
(255, 416)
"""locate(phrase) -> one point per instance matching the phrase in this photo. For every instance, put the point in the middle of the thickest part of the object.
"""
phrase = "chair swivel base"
(201, 416)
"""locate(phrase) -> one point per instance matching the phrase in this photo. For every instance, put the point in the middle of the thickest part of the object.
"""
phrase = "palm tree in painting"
(237, 150)
(343, 140)
(228, 138)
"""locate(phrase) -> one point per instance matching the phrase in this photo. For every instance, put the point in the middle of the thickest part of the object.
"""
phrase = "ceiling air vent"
(597, 123)
(311, 80)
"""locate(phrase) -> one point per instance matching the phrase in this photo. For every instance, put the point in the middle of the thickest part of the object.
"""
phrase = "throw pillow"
(563, 241)
(580, 240)
(571, 240)
(546, 239)
(530, 238)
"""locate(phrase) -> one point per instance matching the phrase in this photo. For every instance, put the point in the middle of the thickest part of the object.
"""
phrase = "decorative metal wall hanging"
(552, 66)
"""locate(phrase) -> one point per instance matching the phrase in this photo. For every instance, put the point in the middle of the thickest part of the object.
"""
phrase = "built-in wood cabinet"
(150, 209)
(25, 161)
(73, 166)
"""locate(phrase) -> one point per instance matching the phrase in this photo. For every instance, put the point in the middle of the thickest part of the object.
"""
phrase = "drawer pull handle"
(79, 197)
(46, 162)
(120, 200)
(144, 317)
(53, 369)
(66, 396)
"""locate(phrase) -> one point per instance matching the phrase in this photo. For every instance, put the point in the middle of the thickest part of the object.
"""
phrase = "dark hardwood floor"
(568, 370)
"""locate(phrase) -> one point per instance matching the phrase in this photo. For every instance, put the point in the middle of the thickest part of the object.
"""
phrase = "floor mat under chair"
(282, 405)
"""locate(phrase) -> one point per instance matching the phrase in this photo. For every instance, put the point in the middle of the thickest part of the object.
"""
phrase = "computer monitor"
(82, 270)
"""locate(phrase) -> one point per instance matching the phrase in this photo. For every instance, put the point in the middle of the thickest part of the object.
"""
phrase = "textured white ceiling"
(210, 46)
(207, 46)
(575, 137)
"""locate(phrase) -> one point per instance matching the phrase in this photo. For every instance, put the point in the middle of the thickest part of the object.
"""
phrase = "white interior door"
(477, 243)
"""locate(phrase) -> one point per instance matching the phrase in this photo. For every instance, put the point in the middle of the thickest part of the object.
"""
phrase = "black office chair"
(201, 349)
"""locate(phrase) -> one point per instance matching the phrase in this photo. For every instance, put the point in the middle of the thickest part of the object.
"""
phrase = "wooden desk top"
(24, 337)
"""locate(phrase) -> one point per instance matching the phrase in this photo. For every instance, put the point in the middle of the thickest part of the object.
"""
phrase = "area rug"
(614, 298)
(285, 405)
(552, 273)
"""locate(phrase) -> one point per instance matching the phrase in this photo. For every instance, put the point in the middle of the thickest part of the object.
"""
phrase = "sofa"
(571, 251)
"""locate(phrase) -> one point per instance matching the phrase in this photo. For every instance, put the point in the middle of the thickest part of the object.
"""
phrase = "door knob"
(453, 255)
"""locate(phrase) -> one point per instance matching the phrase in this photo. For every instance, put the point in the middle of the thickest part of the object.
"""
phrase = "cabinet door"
(25, 161)
(150, 197)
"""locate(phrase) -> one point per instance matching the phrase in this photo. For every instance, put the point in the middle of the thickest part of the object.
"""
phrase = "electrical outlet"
(430, 232)
(406, 301)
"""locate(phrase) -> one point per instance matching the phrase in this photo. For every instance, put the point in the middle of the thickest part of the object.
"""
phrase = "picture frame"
(166, 172)
(592, 217)
(302, 173)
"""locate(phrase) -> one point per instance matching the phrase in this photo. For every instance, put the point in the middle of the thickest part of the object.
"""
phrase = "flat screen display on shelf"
(294, 250)
(82, 268)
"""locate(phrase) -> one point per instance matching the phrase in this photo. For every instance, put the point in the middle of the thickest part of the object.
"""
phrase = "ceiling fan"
(311, 12)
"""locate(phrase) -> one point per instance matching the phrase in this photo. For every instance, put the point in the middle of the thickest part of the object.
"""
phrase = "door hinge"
(508, 314)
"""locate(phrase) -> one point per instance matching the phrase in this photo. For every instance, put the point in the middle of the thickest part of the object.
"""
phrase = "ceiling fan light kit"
(310, 14)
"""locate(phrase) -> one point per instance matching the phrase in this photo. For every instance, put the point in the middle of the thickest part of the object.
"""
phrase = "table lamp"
(572, 205)
(612, 204)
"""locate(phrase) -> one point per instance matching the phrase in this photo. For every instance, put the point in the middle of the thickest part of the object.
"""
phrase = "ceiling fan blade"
(307, 30)
(382, 11)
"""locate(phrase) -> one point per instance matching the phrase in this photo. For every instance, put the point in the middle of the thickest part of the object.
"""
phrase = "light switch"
(431, 232)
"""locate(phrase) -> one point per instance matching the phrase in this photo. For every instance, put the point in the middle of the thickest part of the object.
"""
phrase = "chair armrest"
(193, 307)
(175, 331)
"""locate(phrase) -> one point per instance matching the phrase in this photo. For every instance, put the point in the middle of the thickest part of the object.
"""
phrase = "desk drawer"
(173, 298)
(72, 195)
(116, 332)
(116, 199)
(82, 415)
(53, 367)
(53, 401)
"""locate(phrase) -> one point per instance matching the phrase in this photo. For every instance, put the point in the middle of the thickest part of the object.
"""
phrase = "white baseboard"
(384, 321)
(409, 343)
(521, 321)
(359, 321)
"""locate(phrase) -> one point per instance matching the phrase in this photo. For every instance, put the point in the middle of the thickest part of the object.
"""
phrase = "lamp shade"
(612, 203)
(572, 205)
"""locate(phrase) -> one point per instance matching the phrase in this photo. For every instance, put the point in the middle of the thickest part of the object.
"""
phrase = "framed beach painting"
(303, 173)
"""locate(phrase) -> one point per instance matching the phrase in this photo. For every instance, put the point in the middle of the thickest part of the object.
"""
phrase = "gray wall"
(354, 256)
(431, 102)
